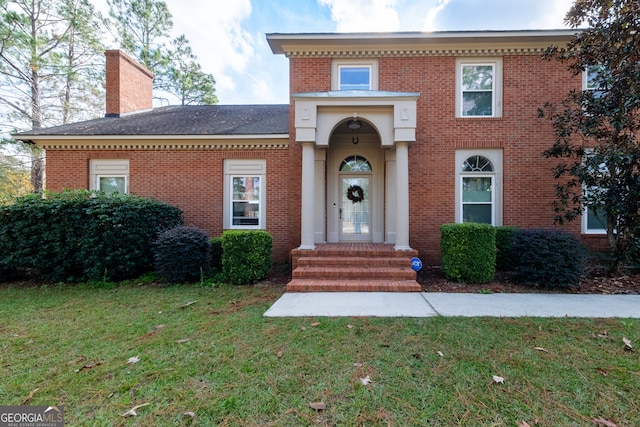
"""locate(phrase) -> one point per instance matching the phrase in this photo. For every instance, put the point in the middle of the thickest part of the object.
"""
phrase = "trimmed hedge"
(182, 254)
(468, 252)
(548, 257)
(505, 258)
(82, 235)
(246, 255)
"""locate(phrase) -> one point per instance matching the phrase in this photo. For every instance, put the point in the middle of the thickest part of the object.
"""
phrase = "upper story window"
(479, 87)
(590, 80)
(354, 75)
(109, 176)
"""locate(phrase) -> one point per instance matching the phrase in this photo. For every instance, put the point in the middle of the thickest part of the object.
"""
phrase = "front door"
(355, 208)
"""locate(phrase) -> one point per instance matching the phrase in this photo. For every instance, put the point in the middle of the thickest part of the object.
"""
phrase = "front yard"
(190, 355)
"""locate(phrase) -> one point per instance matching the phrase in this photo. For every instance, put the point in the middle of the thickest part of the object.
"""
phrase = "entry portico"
(386, 124)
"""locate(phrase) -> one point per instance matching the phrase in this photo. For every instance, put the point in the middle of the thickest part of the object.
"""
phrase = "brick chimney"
(129, 85)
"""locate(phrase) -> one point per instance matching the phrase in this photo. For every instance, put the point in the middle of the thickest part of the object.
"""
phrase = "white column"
(402, 196)
(307, 196)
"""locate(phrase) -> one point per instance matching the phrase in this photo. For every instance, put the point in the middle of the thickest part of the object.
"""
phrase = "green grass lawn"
(217, 361)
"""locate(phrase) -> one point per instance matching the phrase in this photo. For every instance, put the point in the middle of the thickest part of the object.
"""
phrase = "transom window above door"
(354, 75)
(355, 164)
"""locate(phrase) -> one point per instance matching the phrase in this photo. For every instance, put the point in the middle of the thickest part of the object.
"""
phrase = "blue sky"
(228, 36)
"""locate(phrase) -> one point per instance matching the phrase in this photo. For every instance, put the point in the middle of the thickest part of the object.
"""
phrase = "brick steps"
(352, 267)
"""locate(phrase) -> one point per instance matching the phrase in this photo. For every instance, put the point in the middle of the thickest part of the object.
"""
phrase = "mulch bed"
(433, 280)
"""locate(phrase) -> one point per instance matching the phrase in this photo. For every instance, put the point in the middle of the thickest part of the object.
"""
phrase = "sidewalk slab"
(534, 305)
(332, 304)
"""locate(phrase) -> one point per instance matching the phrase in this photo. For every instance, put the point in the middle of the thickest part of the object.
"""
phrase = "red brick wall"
(189, 179)
(528, 184)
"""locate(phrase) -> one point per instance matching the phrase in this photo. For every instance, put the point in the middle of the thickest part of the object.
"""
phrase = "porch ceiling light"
(354, 124)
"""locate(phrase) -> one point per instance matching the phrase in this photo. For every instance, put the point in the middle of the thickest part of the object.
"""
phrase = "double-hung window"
(109, 175)
(245, 194)
(354, 75)
(479, 88)
(594, 220)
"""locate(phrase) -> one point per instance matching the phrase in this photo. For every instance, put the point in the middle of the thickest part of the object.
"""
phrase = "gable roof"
(179, 120)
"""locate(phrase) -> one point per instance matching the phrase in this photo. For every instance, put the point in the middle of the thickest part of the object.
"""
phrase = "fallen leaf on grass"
(183, 340)
(318, 406)
(78, 360)
(132, 360)
(602, 372)
(523, 424)
(88, 366)
(498, 379)
(187, 304)
(541, 349)
(627, 344)
(190, 414)
(350, 326)
(303, 328)
(358, 364)
(603, 422)
(314, 324)
(279, 354)
(441, 354)
(366, 380)
(132, 412)
(30, 396)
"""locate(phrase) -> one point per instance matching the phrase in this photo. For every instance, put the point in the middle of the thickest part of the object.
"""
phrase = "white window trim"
(495, 156)
(107, 168)
(243, 168)
(337, 64)
(497, 85)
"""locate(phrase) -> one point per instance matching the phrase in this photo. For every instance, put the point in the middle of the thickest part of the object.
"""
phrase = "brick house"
(386, 138)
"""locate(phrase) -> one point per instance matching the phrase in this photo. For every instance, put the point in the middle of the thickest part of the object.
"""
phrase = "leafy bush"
(548, 257)
(182, 254)
(80, 235)
(505, 259)
(216, 253)
(246, 255)
(468, 252)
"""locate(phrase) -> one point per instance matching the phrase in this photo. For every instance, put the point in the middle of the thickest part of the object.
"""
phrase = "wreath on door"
(355, 194)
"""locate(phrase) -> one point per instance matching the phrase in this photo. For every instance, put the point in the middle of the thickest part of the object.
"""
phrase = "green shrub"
(216, 253)
(246, 255)
(82, 235)
(547, 257)
(505, 260)
(468, 252)
(182, 254)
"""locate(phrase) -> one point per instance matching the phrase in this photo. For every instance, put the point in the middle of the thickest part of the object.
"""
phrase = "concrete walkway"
(429, 304)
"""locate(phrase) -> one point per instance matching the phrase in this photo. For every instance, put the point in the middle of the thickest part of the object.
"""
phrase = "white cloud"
(215, 32)
(432, 14)
(553, 17)
(363, 15)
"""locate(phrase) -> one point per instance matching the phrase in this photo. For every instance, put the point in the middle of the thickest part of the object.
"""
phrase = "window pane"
(477, 164)
(477, 103)
(477, 77)
(476, 190)
(596, 220)
(246, 200)
(476, 213)
(355, 78)
(112, 184)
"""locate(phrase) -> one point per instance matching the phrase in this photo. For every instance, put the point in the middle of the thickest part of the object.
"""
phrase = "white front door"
(355, 208)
